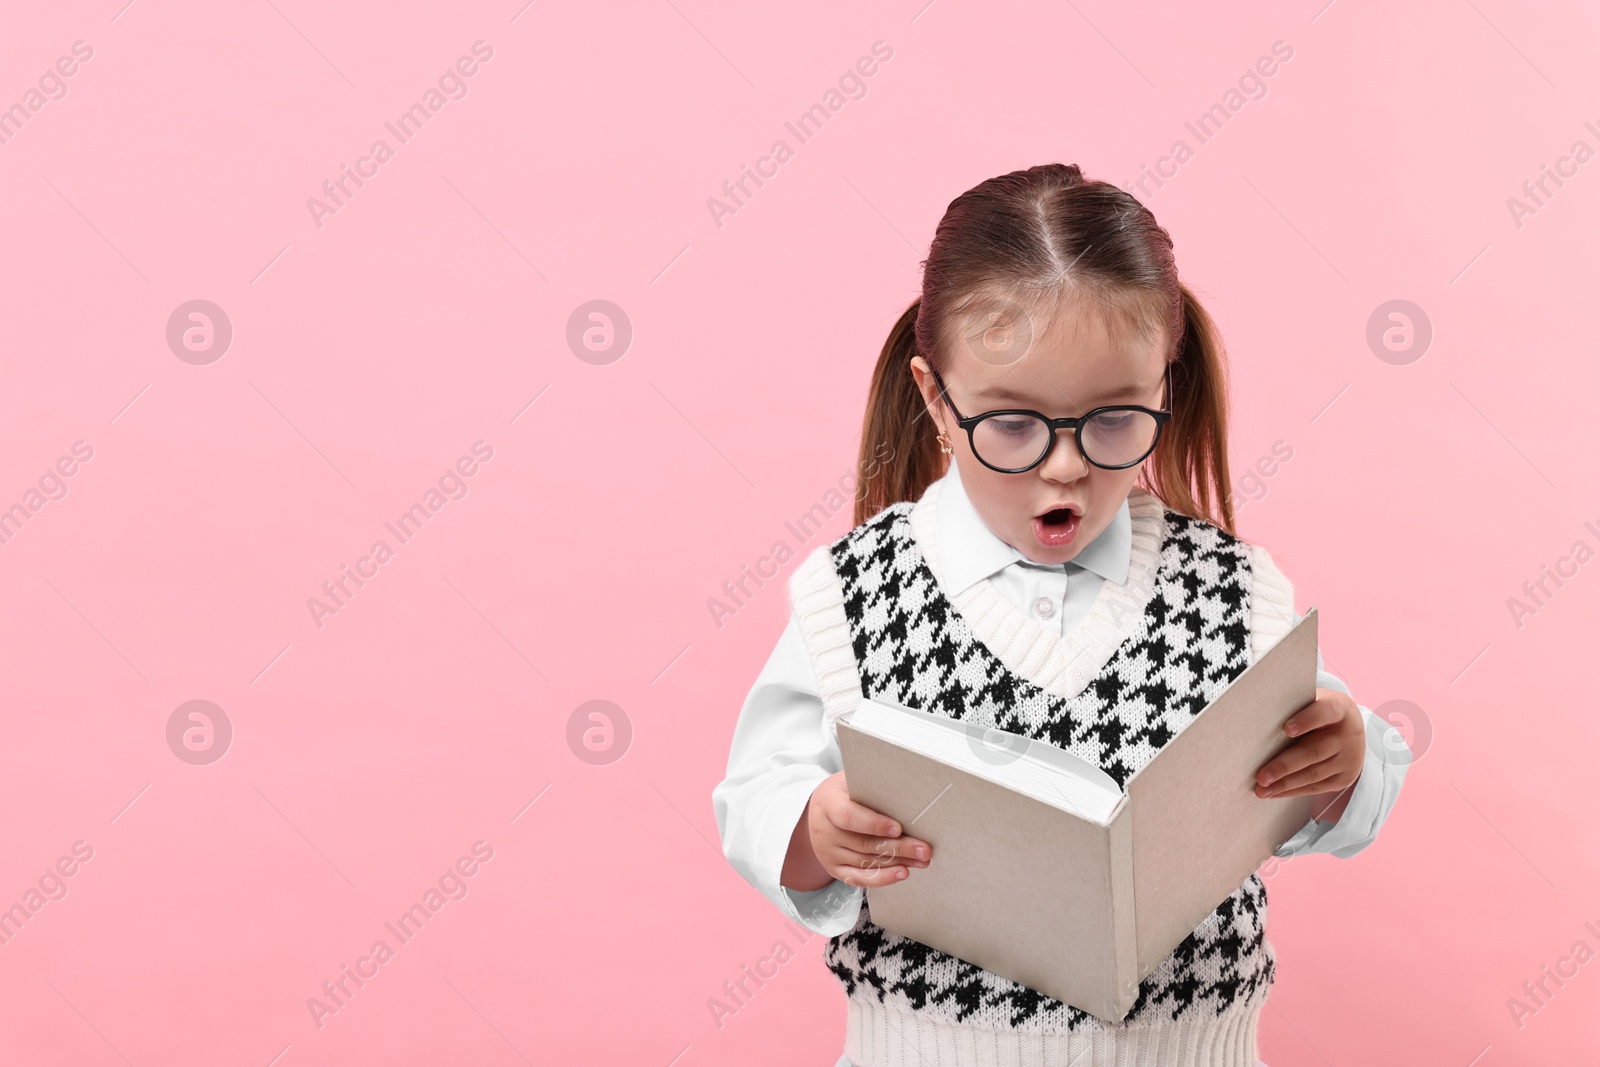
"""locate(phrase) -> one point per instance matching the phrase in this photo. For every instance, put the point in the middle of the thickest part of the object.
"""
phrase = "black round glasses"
(1014, 440)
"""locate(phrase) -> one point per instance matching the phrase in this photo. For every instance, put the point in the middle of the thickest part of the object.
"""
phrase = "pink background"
(370, 352)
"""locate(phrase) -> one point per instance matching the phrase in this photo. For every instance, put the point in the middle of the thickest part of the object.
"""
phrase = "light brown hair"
(1027, 237)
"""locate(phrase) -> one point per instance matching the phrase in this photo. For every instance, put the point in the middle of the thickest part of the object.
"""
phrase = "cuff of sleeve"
(1302, 841)
(830, 910)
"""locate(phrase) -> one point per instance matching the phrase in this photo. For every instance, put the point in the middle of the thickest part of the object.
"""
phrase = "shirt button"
(1045, 607)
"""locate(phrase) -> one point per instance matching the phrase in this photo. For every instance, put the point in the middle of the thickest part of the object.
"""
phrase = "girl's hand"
(857, 845)
(1326, 758)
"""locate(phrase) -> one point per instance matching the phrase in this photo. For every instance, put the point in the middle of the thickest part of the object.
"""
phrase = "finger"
(1327, 784)
(848, 857)
(882, 853)
(909, 848)
(1301, 754)
(1316, 778)
(863, 820)
(869, 877)
(1323, 711)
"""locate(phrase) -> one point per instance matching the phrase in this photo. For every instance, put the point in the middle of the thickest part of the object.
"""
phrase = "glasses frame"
(970, 423)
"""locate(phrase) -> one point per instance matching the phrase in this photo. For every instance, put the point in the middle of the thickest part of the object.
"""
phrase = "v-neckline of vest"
(1062, 665)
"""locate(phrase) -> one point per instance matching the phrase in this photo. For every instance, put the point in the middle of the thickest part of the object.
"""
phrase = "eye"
(1013, 427)
(1115, 420)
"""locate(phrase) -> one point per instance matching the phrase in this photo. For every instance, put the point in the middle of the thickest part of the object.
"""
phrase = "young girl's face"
(1063, 370)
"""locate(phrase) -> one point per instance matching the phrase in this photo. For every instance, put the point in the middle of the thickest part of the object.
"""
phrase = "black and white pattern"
(911, 646)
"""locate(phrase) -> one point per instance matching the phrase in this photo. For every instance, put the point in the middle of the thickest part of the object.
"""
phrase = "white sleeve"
(781, 750)
(1387, 755)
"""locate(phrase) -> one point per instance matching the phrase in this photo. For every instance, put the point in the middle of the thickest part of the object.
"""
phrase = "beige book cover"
(1043, 870)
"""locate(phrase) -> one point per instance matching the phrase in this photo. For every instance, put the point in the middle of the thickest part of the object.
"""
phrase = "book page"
(1034, 768)
(1199, 830)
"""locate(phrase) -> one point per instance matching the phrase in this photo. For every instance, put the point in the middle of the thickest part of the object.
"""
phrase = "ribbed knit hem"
(1271, 602)
(880, 1036)
(817, 600)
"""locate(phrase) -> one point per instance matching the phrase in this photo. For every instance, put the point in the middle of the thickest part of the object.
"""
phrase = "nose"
(1065, 463)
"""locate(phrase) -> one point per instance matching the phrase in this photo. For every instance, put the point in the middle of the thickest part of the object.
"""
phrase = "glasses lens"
(1010, 441)
(1119, 437)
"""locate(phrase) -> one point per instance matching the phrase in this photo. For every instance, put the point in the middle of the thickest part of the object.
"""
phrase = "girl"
(1006, 569)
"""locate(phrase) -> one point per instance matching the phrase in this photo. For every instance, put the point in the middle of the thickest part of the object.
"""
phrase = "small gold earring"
(944, 445)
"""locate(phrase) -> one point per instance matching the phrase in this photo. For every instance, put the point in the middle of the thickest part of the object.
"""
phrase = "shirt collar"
(970, 551)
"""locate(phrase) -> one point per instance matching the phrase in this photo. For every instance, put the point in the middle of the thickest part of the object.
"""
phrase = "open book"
(1043, 870)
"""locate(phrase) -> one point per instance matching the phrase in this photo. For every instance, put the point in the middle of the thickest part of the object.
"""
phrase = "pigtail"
(1189, 470)
(899, 455)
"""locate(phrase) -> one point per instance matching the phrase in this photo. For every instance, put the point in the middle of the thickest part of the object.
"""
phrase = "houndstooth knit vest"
(1152, 653)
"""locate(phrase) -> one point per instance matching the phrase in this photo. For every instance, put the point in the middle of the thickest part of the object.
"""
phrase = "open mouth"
(1057, 527)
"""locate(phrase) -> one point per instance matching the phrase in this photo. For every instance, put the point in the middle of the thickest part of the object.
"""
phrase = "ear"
(922, 374)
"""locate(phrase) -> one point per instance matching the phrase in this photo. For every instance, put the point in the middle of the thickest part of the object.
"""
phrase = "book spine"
(1125, 931)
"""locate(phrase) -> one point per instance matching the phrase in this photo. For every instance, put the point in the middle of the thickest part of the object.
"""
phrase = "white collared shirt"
(782, 748)
(1057, 596)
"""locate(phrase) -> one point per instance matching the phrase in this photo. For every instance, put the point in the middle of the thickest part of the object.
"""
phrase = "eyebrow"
(1003, 393)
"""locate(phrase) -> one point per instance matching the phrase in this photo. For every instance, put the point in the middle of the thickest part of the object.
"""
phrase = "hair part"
(1004, 251)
